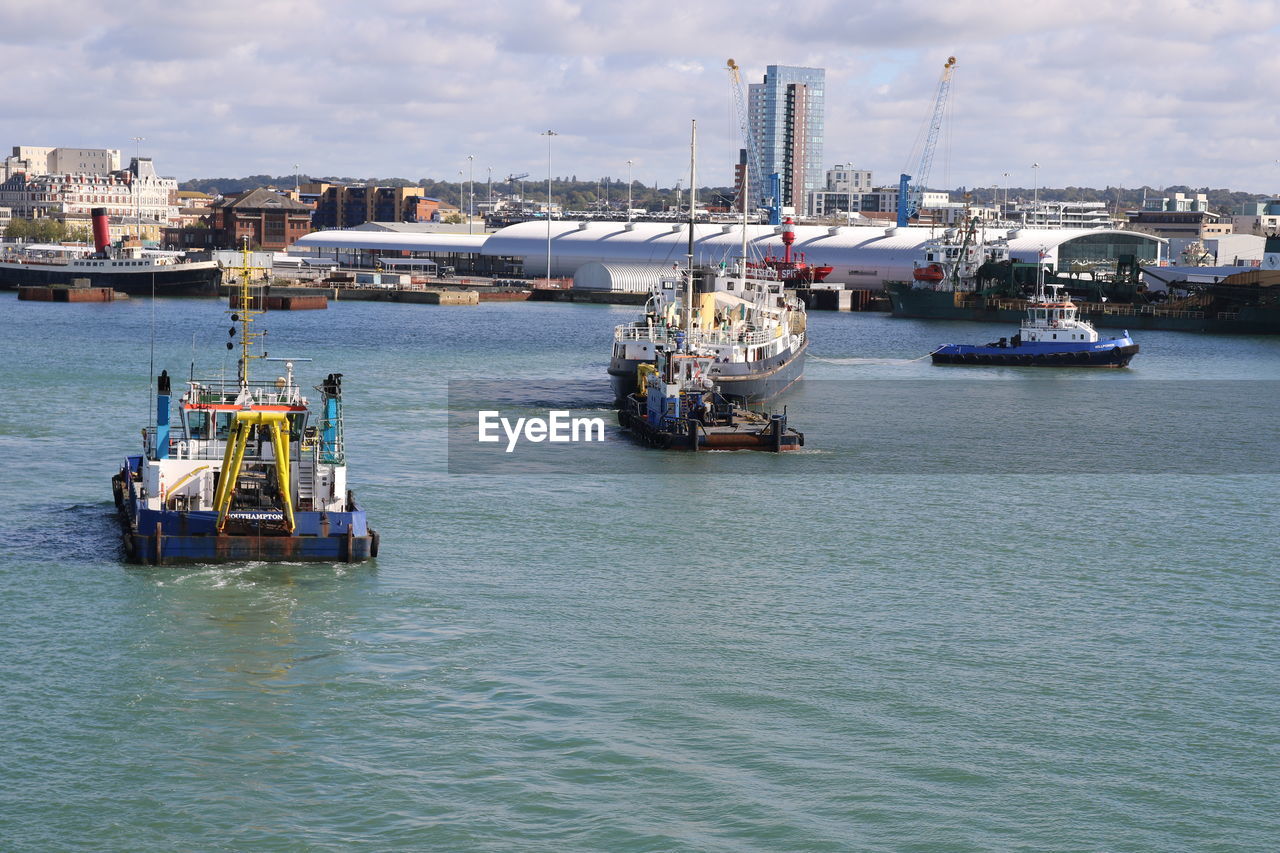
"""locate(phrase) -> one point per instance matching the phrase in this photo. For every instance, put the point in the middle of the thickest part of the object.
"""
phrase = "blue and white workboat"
(1052, 335)
(243, 470)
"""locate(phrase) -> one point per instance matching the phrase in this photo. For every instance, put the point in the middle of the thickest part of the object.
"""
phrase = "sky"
(1097, 93)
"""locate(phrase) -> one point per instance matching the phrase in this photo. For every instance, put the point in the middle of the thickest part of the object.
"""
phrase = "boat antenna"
(693, 204)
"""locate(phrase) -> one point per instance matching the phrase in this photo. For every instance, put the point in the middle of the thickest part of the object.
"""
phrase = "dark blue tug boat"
(1052, 335)
(242, 473)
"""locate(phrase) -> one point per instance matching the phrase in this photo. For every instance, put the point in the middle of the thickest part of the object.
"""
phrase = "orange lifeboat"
(932, 272)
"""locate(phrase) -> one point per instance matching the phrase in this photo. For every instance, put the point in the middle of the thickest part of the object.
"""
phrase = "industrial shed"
(862, 256)
(364, 248)
(619, 278)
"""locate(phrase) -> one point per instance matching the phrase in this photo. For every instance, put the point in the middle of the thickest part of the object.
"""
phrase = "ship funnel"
(101, 230)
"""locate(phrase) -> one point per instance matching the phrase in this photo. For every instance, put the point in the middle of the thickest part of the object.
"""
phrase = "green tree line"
(46, 231)
(570, 192)
(578, 194)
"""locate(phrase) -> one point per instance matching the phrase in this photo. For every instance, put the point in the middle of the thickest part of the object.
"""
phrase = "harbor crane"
(751, 194)
(511, 181)
(908, 205)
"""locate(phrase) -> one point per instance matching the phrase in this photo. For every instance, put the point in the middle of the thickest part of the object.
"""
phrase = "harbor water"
(782, 655)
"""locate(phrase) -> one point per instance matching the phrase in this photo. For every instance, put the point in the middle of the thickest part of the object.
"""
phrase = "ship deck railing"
(214, 449)
(1110, 309)
(750, 336)
(266, 392)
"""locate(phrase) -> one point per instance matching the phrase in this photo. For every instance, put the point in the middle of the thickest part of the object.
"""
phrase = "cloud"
(1143, 92)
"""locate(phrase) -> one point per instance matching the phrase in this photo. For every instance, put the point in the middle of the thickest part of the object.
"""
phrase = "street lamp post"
(1035, 193)
(628, 190)
(1004, 211)
(297, 180)
(137, 187)
(548, 134)
(490, 190)
(471, 190)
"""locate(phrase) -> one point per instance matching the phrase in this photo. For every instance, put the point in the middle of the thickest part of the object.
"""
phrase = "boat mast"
(693, 203)
(746, 182)
(1040, 274)
(245, 316)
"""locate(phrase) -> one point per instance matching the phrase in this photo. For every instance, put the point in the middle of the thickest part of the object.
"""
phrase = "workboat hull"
(173, 536)
(773, 436)
(191, 279)
(1113, 353)
(923, 303)
(752, 381)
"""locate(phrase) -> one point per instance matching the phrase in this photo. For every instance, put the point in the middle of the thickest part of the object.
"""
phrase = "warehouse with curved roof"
(861, 256)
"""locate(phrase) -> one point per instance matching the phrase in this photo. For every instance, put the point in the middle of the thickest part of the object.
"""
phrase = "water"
(758, 662)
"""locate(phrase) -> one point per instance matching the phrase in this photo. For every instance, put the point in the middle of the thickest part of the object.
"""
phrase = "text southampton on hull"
(243, 470)
(1052, 335)
(740, 316)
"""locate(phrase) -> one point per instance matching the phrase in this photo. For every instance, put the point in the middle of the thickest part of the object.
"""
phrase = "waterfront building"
(1059, 214)
(1180, 202)
(786, 116)
(136, 191)
(1190, 224)
(1257, 217)
(846, 179)
(36, 160)
(842, 193)
(270, 220)
(349, 206)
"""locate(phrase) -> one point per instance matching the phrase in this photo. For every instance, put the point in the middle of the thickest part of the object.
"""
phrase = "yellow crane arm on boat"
(644, 372)
(182, 482)
(233, 459)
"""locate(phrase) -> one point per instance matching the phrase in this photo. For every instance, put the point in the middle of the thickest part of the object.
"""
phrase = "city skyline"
(1154, 93)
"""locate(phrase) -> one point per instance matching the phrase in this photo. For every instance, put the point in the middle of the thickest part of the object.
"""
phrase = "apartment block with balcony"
(786, 115)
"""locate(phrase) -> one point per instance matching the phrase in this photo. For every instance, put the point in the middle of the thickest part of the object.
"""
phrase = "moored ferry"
(131, 271)
(741, 318)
